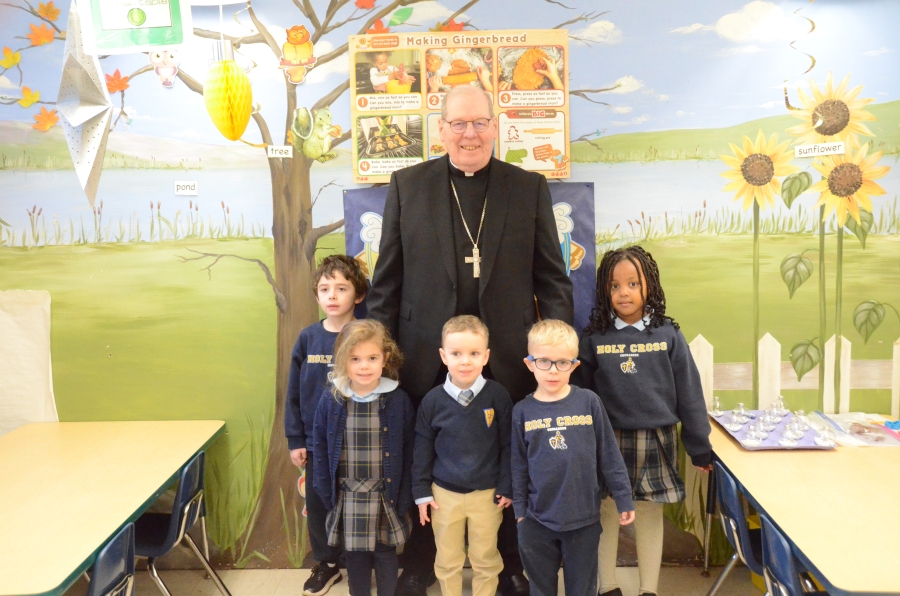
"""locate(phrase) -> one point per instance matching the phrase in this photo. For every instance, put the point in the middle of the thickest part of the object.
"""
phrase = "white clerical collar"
(454, 391)
(458, 168)
(385, 385)
(640, 325)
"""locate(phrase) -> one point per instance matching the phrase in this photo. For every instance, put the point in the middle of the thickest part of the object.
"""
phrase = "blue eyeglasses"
(547, 364)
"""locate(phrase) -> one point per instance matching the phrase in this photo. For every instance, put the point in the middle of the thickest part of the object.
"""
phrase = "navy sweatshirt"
(647, 379)
(310, 367)
(563, 453)
(463, 448)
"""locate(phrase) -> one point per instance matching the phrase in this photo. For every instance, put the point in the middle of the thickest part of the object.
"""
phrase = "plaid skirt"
(651, 457)
(361, 517)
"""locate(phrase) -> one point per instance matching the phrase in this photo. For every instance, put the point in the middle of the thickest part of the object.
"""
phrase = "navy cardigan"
(397, 437)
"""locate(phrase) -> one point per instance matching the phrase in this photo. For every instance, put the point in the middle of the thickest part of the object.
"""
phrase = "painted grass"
(710, 143)
(137, 335)
(709, 287)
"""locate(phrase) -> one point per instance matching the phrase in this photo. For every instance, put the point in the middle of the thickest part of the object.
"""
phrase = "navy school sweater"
(310, 367)
(647, 379)
(463, 448)
(563, 454)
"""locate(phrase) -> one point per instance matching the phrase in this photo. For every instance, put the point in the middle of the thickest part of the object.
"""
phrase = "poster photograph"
(399, 82)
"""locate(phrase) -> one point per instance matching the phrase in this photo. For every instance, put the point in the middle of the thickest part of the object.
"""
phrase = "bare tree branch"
(310, 13)
(559, 3)
(332, 95)
(332, 183)
(237, 41)
(583, 93)
(344, 137)
(270, 41)
(460, 11)
(33, 12)
(280, 300)
(309, 244)
(586, 17)
(190, 81)
(586, 138)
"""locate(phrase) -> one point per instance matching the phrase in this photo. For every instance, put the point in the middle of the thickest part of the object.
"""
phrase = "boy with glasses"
(563, 454)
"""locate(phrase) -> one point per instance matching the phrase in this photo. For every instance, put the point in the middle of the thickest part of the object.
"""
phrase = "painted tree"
(293, 230)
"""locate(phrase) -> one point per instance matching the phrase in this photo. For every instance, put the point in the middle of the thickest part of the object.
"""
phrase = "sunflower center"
(845, 179)
(830, 117)
(758, 169)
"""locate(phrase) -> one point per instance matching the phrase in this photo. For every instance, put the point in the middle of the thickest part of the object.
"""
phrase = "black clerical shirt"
(472, 191)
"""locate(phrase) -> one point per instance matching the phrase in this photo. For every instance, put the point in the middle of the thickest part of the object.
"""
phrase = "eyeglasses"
(460, 126)
(547, 364)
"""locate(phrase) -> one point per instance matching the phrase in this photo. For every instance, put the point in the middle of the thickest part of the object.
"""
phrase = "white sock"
(609, 546)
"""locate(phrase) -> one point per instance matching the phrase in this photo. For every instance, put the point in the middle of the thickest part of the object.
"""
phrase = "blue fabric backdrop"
(573, 205)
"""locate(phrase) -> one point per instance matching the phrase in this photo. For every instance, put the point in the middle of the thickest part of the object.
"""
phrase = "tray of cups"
(774, 428)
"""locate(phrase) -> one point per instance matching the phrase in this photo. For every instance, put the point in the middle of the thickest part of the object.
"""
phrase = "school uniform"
(363, 451)
(311, 363)
(563, 456)
(461, 462)
(648, 382)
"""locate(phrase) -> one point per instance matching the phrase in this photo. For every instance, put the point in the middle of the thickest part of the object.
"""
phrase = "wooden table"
(67, 487)
(840, 508)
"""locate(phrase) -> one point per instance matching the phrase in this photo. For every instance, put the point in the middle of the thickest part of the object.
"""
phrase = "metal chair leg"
(710, 512)
(205, 537)
(212, 574)
(154, 574)
(205, 540)
(86, 577)
(728, 567)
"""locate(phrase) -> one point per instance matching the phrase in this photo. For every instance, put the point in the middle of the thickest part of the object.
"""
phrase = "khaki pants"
(449, 522)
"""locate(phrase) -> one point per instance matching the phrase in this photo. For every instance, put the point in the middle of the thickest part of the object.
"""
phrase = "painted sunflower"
(835, 115)
(755, 169)
(848, 183)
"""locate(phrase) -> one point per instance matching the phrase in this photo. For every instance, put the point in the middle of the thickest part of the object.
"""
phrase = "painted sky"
(683, 64)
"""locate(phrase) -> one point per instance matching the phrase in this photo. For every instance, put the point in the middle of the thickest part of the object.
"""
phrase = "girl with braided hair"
(636, 359)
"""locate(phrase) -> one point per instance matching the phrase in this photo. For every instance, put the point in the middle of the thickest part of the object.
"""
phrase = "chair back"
(779, 566)
(113, 573)
(188, 500)
(733, 520)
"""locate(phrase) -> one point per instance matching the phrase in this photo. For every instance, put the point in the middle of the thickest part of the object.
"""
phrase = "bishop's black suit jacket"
(414, 285)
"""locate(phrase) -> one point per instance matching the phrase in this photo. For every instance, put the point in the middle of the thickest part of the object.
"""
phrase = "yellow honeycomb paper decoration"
(228, 97)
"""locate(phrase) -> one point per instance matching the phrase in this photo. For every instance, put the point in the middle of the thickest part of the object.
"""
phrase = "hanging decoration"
(227, 93)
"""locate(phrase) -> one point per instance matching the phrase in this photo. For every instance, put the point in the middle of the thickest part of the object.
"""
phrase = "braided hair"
(603, 315)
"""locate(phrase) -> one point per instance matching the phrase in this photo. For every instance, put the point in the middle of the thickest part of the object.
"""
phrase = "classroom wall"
(170, 307)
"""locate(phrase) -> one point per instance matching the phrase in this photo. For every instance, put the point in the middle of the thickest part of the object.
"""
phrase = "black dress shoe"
(513, 585)
(613, 592)
(414, 584)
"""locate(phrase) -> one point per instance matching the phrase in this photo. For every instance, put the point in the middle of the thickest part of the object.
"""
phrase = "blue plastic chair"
(747, 543)
(158, 533)
(780, 569)
(113, 571)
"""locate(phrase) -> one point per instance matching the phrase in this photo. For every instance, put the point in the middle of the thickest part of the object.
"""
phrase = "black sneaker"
(613, 592)
(413, 584)
(320, 579)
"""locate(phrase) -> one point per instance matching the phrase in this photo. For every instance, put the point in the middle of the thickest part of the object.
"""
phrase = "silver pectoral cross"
(475, 259)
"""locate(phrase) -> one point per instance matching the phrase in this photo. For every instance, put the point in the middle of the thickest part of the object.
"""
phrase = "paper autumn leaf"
(40, 35)
(378, 27)
(45, 120)
(48, 11)
(10, 58)
(400, 16)
(28, 97)
(365, 4)
(454, 26)
(116, 82)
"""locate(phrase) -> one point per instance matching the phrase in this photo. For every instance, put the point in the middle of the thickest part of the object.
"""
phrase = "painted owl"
(165, 64)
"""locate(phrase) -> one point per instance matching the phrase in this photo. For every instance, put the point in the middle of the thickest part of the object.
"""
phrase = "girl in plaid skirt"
(636, 359)
(362, 444)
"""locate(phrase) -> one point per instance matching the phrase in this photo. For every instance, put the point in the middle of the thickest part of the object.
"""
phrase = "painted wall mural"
(179, 290)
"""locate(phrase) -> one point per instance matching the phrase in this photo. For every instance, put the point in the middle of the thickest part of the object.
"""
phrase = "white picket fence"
(776, 376)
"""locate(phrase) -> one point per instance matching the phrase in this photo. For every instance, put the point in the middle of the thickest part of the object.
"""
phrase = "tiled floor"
(674, 581)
